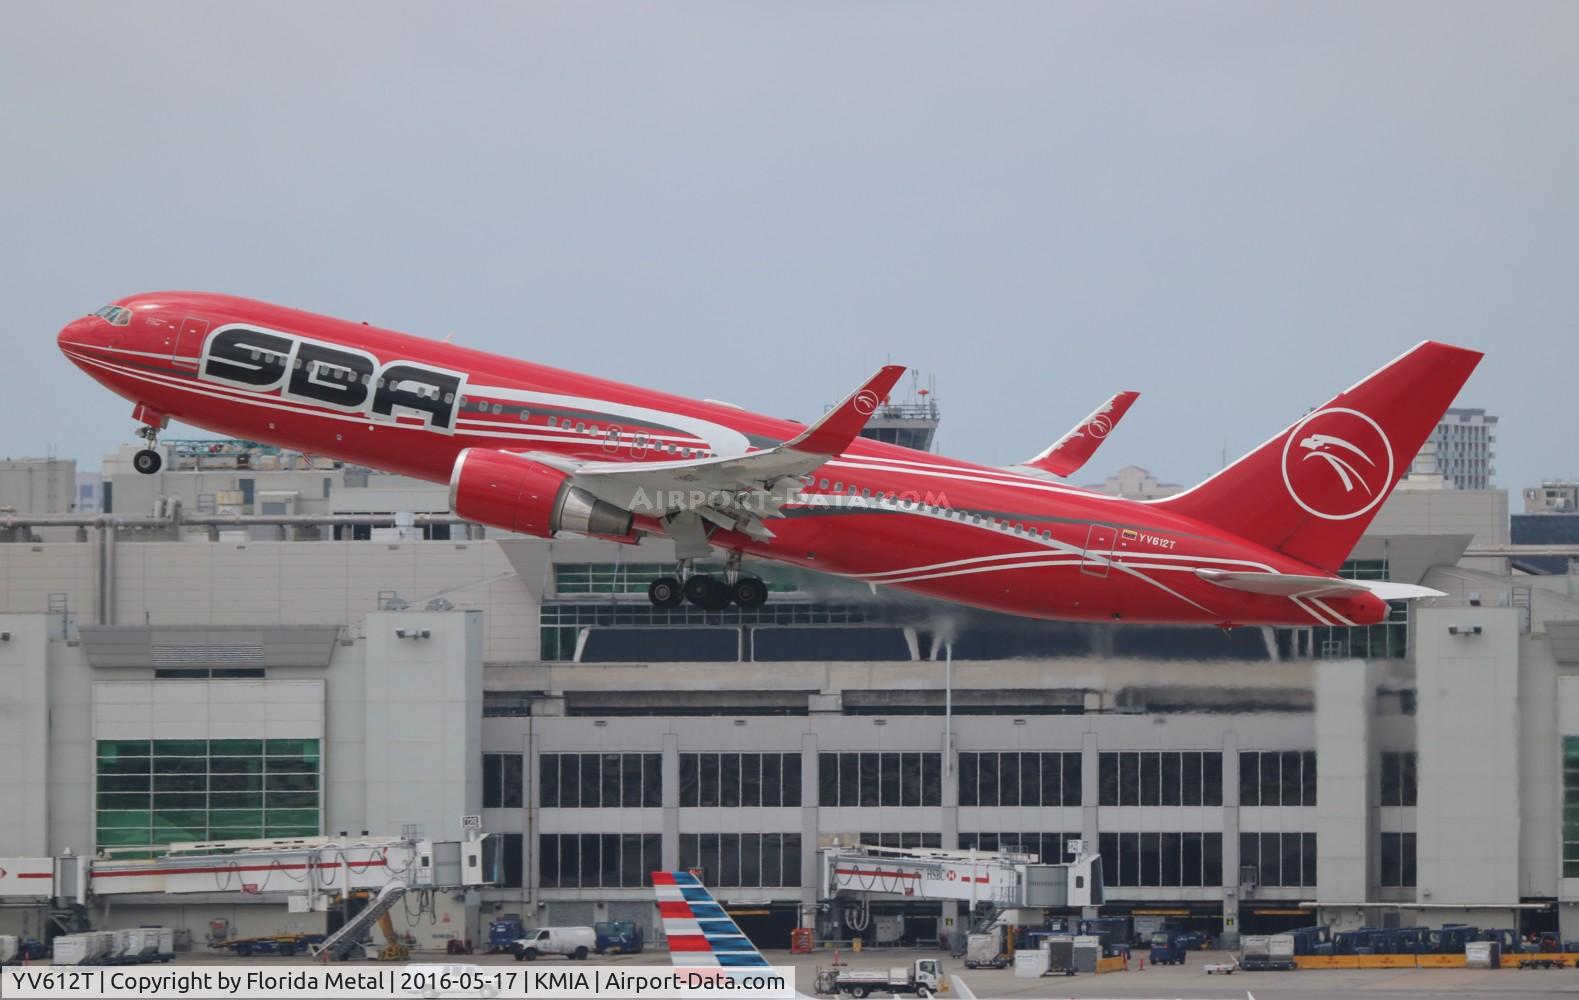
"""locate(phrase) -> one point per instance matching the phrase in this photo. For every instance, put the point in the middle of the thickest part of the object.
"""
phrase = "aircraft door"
(189, 342)
(1099, 549)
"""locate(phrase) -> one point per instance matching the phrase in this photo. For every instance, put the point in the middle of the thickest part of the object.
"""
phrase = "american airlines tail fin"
(700, 933)
(1311, 491)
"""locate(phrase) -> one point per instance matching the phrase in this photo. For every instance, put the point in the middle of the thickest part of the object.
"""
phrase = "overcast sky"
(1236, 209)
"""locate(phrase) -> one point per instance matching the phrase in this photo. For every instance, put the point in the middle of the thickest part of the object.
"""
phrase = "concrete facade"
(412, 726)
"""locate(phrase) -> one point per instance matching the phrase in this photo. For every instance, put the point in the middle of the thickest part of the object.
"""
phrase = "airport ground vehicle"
(571, 942)
(1166, 949)
(1263, 951)
(984, 949)
(618, 937)
(504, 932)
(923, 978)
(271, 944)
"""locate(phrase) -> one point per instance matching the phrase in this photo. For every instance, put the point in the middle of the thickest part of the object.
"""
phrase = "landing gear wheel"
(147, 461)
(665, 592)
(706, 593)
(749, 592)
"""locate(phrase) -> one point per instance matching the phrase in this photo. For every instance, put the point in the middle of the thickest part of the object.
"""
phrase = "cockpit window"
(117, 315)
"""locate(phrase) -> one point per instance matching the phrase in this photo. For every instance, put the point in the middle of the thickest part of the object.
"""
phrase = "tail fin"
(1311, 490)
(699, 931)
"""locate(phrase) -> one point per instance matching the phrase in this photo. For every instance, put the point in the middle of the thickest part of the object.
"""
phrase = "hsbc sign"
(331, 376)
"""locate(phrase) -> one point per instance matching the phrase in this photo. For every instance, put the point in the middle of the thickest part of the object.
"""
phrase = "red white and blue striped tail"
(700, 932)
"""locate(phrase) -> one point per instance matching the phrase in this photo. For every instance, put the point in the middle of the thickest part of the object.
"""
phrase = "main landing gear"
(147, 460)
(709, 592)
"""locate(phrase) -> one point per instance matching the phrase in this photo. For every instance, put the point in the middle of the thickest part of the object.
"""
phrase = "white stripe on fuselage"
(721, 440)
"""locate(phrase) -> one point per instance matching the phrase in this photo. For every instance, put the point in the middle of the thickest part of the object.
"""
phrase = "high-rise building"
(1460, 450)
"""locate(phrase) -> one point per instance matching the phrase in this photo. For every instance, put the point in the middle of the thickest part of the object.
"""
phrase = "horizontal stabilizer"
(1288, 585)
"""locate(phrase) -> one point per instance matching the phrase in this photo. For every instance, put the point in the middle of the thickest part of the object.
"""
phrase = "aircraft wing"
(1075, 448)
(1288, 585)
(734, 491)
(961, 991)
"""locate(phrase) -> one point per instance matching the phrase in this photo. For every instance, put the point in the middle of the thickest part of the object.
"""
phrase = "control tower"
(908, 418)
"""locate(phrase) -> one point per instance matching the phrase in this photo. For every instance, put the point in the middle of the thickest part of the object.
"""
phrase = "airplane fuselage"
(878, 513)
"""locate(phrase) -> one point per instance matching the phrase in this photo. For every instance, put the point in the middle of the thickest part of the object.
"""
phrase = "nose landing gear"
(147, 460)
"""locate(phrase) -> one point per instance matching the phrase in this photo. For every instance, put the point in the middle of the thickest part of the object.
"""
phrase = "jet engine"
(517, 494)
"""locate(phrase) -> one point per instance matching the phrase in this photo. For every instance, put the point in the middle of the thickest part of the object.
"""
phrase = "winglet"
(1075, 448)
(840, 425)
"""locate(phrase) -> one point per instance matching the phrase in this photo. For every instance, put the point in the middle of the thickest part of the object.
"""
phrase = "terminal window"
(1571, 807)
(501, 781)
(1280, 859)
(598, 860)
(1050, 848)
(158, 792)
(765, 860)
(914, 840)
(1398, 861)
(1399, 786)
(880, 778)
(732, 780)
(1157, 860)
(600, 780)
(1277, 778)
(1013, 778)
(1159, 778)
(560, 623)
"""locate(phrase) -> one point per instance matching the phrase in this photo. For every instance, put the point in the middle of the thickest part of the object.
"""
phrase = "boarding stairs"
(342, 942)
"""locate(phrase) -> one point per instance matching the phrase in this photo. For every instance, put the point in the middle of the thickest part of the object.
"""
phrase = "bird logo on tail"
(1346, 471)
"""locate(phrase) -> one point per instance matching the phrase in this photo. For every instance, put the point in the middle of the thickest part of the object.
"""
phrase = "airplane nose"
(76, 334)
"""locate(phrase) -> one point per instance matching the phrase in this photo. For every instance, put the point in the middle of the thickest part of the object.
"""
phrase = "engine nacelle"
(517, 494)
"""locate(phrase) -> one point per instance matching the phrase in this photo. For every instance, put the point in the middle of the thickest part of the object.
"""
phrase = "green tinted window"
(235, 748)
(123, 748)
(152, 793)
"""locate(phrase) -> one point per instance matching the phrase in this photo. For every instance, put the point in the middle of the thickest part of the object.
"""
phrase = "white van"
(572, 942)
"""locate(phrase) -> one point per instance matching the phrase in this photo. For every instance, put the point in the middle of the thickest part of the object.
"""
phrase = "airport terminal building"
(251, 645)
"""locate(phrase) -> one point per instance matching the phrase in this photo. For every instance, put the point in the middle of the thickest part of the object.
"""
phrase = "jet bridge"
(312, 873)
(1001, 879)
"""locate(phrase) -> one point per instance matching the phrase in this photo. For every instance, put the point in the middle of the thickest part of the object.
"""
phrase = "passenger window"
(525, 415)
(824, 485)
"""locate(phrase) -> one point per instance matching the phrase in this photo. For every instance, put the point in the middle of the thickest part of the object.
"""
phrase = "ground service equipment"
(924, 978)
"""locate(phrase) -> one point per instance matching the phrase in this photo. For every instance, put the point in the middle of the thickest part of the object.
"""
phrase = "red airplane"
(537, 450)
